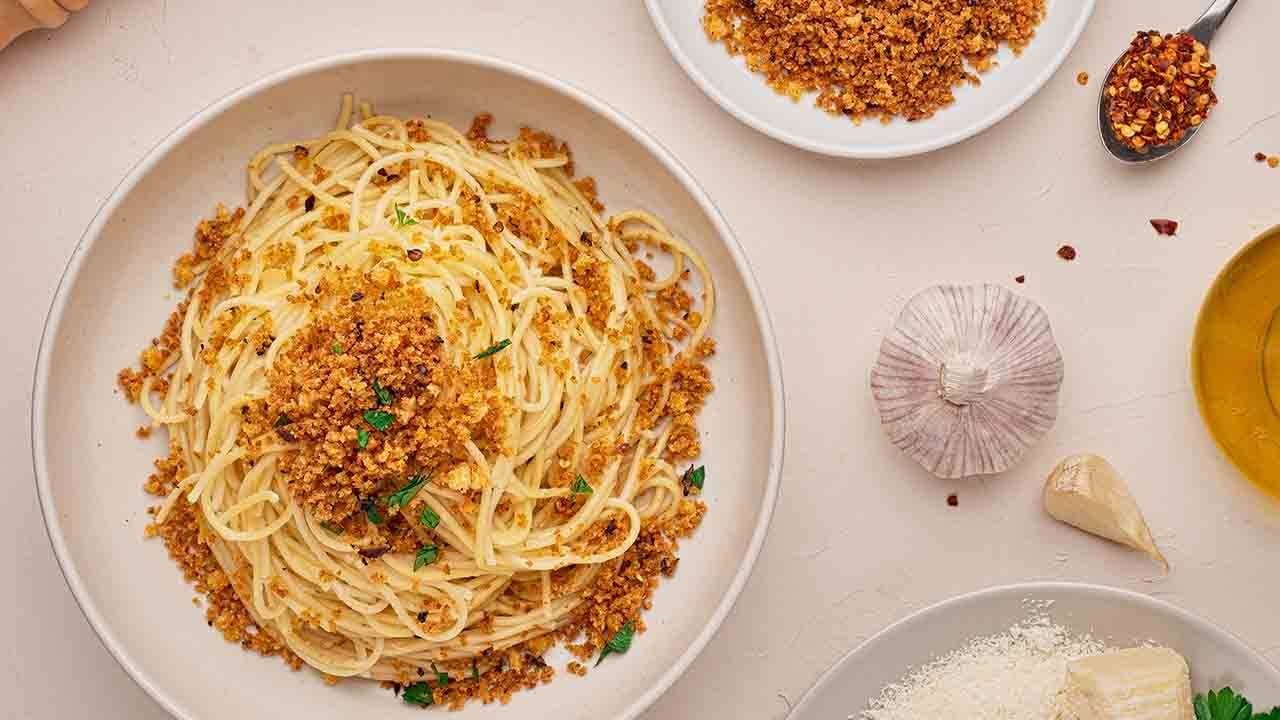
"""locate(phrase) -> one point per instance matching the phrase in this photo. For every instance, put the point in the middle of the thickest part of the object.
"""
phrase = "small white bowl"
(1118, 617)
(744, 94)
(116, 295)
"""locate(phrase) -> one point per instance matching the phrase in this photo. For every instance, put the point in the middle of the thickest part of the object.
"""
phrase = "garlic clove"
(1085, 491)
(967, 379)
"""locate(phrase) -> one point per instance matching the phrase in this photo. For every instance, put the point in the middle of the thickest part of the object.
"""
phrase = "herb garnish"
(1224, 704)
(427, 554)
(362, 438)
(384, 395)
(418, 693)
(694, 477)
(404, 495)
(403, 218)
(337, 349)
(580, 485)
(494, 349)
(619, 643)
(379, 419)
(475, 671)
(429, 518)
(371, 511)
(282, 420)
(331, 527)
(442, 678)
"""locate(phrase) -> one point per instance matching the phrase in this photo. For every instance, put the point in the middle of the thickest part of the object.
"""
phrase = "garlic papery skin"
(1086, 492)
(968, 379)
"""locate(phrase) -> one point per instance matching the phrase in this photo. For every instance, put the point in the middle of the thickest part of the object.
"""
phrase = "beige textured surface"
(861, 535)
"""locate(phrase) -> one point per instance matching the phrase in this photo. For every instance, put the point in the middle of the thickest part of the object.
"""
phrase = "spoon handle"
(1207, 25)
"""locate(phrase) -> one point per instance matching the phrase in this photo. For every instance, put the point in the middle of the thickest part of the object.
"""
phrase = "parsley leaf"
(1224, 704)
(404, 495)
(442, 678)
(418, 693)
(493, 349)
(379, 419)
(475, 671)
(580, 485)
(384, 395)
(429, 518)
(403, 218)
(362, 438)
(619, 643)
(282, 420)
(694, 477)
(331, 528)
(1273, 715)
(337, 349)
(371, 511)
(427, 554)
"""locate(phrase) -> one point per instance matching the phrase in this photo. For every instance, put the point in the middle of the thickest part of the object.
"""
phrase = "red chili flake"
(1165, 226)
(953, 500)
(414, 254)
(1020, 279)
(1259, 157)
(1066, 252)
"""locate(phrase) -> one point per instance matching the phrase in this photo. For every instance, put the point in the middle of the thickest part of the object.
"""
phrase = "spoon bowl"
(1202, 30)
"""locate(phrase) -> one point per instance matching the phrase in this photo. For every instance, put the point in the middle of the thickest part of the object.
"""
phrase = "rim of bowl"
(1186, 616)
(39, 447)
(1271, 234)
(861, 150)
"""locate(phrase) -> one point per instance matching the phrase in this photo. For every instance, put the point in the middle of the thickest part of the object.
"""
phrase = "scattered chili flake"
(1020, 279)
(1273, 161)
(1082, 78)
(1066, 252)
(1165, 226)
(1160, 88)
(953, 500)
(1260, 157)
(414, 254)
(310, 204)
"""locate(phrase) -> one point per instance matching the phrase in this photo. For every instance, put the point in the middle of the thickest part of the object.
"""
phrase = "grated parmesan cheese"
(1015, 675)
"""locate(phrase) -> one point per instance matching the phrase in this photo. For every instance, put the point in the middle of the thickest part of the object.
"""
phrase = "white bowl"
(1119, 617)
(116, 294)
(745, 95)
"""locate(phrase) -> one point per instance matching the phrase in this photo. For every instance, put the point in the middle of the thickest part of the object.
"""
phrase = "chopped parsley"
(282, 420)
(403, 218)
(1224, 704)
(384, 395)
(429, 518)
(379, 419)
(371, 511)
(362, 438)
(694, 477)
(493, 349)
(580, 485)
(418, 693)
(442, 678)
(331, 528)
(337, 349)
(427, 554)
(619, 643)
(404, 495)
(475, 671)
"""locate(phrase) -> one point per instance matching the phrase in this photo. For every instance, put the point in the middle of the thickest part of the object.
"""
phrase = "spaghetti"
(424, 402)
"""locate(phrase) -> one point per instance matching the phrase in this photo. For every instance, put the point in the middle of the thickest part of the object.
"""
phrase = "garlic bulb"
(968, 379)
(1084, 491)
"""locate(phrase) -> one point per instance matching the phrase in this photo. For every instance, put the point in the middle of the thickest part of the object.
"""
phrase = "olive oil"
(1235, 360)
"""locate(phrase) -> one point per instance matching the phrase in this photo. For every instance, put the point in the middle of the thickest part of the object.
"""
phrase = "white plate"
(727, 81)
(116, 294)
(1119, 617)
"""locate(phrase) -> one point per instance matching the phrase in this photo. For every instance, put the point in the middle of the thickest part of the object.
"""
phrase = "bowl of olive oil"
(1235, 360)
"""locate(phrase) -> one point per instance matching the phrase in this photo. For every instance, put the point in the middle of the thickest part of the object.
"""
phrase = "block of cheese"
(1145, 683)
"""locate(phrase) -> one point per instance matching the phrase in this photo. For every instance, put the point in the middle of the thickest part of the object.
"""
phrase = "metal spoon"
(1202, 30)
